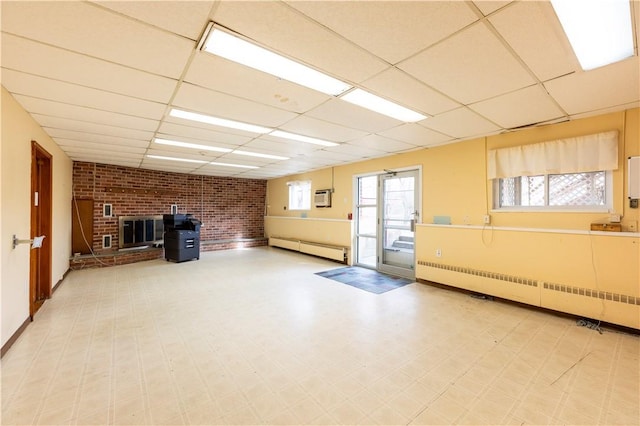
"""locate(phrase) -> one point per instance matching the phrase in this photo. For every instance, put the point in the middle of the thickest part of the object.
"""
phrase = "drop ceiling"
(102, 77)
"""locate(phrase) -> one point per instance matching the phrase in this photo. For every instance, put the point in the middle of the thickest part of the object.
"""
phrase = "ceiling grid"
(474, 68)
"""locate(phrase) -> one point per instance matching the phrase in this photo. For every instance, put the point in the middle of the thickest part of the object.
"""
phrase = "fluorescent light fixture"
(213, 163)
(257, 154)
(160, 157)
(216, 121)
(599, 30)
(300, 138)
(190, 145)
(375, 103)
(236, 49)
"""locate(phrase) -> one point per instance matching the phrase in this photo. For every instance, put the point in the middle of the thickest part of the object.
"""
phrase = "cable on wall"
(84, 236)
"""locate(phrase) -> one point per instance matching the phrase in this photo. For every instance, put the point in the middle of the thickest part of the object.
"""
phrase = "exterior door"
(398, 213)
(41, 217)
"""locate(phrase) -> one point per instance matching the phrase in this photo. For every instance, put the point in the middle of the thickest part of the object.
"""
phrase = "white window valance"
(588, 153)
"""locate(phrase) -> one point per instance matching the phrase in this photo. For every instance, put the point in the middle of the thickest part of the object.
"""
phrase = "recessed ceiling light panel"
(185, 160)
(213, 163)
(260, 155)
(599, 31)
(236, 49)
(301, 138)
(375, 103)
(190, 145)
(216, 121)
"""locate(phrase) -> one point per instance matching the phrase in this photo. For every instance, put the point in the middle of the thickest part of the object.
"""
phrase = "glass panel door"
(398, 215)
(367, 222)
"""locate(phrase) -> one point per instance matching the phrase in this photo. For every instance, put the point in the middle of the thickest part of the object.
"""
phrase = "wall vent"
(479, 273)
(597, 294)
(106, 241)
(563, 288)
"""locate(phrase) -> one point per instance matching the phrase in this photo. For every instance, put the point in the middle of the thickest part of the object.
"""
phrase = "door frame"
(40, 263)
(389, 268)
(354, 186)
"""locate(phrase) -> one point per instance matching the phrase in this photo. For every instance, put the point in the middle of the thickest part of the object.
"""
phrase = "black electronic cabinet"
(181, 237)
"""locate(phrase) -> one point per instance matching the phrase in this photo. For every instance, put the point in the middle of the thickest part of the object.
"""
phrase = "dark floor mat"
(365, 279)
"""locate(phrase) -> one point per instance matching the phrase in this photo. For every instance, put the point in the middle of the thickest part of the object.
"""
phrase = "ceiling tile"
(217, 171)
(229, 169)
(216, 73)
(400, 87)
(83, 146)
(461, 123)
(534, 32)
(196, 129)
(258, 174)
(281, 28)
(279, 146)
(39, 87)
(168, 166)
(356, 151)
(99, 33)
(60, 110)
(258, 151)
(335, 155)
(520, 108)
(612, 85)
(230, 107)
(102, 159)
(309, 126)
(108, 141)
(245, 160)
(382, 144)
(400, 31)
(83, 126)
(416, 134)
(187, 18)
(196, 135)
(489, 6)
(189, 140)
(607, 110)
(187, 154)
(343, 113)
(28, 56)
(471, 66)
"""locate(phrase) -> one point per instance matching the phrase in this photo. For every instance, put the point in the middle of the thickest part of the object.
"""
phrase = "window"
(573, 190)
(564, 174)
(300, 195)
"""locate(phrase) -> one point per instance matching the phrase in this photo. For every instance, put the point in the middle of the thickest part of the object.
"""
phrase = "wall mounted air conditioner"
(322, 198)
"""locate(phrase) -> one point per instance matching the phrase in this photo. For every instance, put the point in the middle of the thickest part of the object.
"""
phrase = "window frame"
(606, 207)
(290, 189)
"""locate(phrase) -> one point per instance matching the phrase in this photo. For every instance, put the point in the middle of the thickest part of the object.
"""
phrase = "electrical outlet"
(438, 253)
(466, 220)
(614, 218)
(487, 219)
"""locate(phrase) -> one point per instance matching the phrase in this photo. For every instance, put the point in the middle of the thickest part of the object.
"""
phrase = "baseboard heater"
(327, 251)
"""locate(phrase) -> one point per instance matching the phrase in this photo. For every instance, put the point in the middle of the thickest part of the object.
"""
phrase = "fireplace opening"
(139, 231)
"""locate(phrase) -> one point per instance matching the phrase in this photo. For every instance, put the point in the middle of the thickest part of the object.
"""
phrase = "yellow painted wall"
(18, 130)
(454, 183)
(326, 231)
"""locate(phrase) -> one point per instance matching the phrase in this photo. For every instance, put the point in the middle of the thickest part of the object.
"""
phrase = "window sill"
(604, 210)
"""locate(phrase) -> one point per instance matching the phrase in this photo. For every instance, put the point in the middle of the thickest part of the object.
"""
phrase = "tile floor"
(254, 337)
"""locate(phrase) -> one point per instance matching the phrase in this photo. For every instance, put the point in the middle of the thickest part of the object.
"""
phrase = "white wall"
(18, 130)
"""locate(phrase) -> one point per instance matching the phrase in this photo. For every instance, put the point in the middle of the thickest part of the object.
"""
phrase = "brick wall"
(229, 208)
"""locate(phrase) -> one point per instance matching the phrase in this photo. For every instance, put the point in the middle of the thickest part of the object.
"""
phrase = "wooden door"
(81, 226)
(41, 218)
